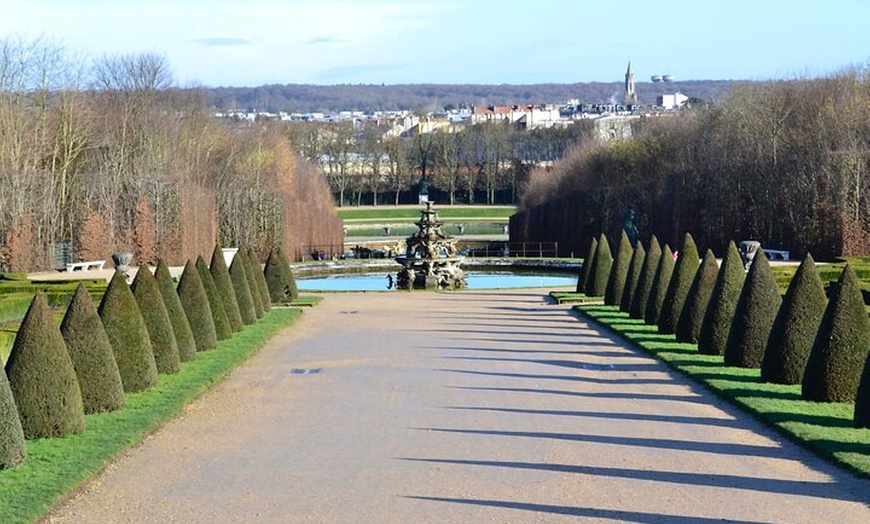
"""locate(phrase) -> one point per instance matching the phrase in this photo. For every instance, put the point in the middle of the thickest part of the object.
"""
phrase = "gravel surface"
(488, 406)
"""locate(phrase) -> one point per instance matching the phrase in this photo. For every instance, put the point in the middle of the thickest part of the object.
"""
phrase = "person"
(389, 281)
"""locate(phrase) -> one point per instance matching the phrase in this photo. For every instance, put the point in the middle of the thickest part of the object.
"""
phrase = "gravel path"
(462, 408)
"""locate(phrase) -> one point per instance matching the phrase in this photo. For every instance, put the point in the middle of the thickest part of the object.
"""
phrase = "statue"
(430, 260)
(629, 226)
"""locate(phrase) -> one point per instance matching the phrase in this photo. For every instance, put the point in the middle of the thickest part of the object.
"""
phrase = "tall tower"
(630, 95)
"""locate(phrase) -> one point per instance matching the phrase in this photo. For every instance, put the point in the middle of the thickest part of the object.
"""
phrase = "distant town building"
(672, 101)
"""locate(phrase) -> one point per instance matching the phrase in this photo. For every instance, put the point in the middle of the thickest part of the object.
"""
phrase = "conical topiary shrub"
(277, 278)
(756, 308)
(697, 299)
(257, 301)
(259, 279)
(239, 278)
(618, 272)
(222, 328)
(659, 289)
(197, 308)
(91, 353)
(42, 378)
(128, 335)
(862, 398)
(291, 279)
(597, 284)
(681, 280)
(221, 276)
(13, 450)
(634, 267)
(156, 318)
(795, 327)
(645, 280)
(723, 301)
(177, 317)
(583, 279)
(840, 348)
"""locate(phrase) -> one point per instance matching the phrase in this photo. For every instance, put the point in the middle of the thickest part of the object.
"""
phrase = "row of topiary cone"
(801, 338)
(54, 376)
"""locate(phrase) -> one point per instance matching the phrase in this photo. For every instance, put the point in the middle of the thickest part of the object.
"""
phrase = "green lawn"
(413, 212)
(825, 428)
(54, 467)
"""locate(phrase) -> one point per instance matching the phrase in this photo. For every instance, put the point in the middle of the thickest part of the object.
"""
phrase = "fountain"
(430, 260)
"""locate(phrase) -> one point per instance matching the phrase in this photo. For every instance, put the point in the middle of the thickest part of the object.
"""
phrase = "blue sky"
(235, 42)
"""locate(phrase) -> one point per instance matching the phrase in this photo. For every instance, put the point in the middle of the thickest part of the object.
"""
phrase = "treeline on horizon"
(108, 156)
(785, 163)
(307, 98)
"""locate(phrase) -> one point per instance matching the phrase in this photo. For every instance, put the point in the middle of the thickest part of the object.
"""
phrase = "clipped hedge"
(277, 277)
(618, 272)
(583, 278)
(256, 299)
(222, 327)
(697, 299)
(239, 278)
(840, 348)
(160, 331)
(716, 327)
(128, 335)
(600, 272)
(756, 310)
(196, 308)
(795, 326)
(634, 268)
(42, 378)
(661, 282)
(13, 450)
(687, 265)
(177, 317)
(91, 354)
(862, 398)
(259, 279)
(294, 290)
(645, 280)
(221, 276)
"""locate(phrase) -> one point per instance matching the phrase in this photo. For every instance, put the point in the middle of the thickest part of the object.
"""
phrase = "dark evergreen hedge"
(177, 317)
(13, 450)
(91, 354)
(160, 332)
(597, 284)
(723, 302)
(645, 280)
(128, 335)
(756, 309)
(862, 398)
(687, 265)
(840, 348)
(277, 278)
(618, 272)
(221, 276)
(294, 290)
(222, 327)
(583, 279)
(634, 267)
(661, 281)
(239, 278)
(795, 327)
(257, 300)
(197, 308)
(697, 299)
(259, 279)
(42, 378)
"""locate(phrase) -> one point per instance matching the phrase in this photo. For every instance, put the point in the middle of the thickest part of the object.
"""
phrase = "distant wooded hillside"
(360, 97)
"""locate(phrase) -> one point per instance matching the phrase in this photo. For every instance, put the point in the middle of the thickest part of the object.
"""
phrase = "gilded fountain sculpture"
(430, 260)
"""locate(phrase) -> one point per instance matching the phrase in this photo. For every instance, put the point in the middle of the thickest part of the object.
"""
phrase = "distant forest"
(305, 98)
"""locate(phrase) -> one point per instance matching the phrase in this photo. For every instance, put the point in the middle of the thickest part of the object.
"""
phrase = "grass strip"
(55, 467)
(825, 428)
(389, 212)
(571, 297)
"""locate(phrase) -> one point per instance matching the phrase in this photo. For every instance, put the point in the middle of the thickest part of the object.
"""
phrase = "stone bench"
(82, 266)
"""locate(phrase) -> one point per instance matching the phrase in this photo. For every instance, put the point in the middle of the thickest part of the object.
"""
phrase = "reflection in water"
(375, 282)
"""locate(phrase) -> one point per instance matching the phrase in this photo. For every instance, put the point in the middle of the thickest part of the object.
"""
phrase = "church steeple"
(630, 95)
